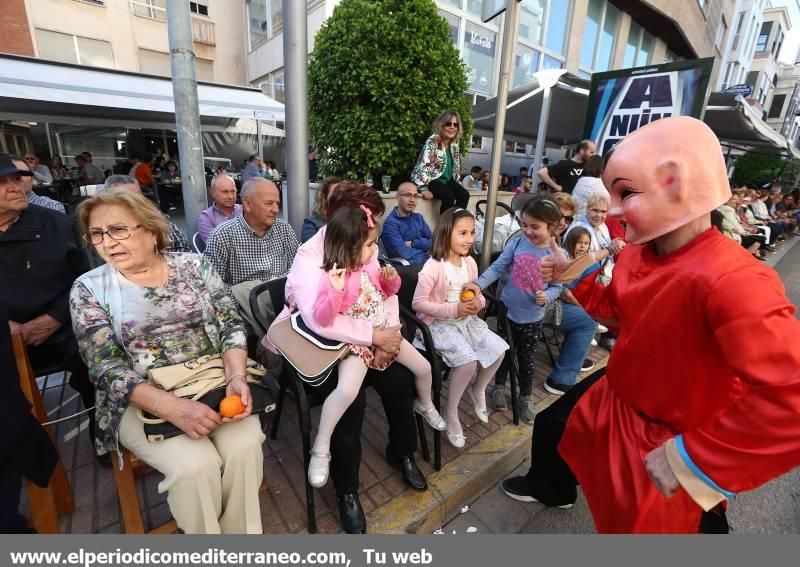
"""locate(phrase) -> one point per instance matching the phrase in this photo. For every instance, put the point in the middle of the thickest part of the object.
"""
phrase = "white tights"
(460, 378)
(351, 375)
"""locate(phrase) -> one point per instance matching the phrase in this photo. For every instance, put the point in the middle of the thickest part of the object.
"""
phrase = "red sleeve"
(328, 303)
(597, 300)
(758, 437)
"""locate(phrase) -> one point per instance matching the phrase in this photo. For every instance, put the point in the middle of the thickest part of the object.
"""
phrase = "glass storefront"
(479, 56)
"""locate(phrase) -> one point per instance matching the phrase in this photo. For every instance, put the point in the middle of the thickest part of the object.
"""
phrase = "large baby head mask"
(665, 175)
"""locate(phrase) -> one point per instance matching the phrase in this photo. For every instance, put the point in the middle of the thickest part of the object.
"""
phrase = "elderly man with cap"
(40, 257)
(690, 409)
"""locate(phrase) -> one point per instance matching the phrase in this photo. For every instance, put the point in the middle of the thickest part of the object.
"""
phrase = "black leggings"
(451, 194)
(526, 338)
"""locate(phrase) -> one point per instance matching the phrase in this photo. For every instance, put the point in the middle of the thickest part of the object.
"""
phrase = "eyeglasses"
(119, 232)
(408, 195)
(453, 124)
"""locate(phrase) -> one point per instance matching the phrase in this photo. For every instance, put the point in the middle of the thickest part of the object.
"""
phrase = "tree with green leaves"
(757, 167)
(380, 72)
(790, 176)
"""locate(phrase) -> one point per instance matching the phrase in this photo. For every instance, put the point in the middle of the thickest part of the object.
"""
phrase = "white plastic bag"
(504, 227)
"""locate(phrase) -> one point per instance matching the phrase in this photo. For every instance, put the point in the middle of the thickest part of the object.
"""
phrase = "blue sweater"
(398, 230)
(521, 260)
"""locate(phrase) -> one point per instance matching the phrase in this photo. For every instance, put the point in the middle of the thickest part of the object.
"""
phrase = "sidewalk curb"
(458, 482)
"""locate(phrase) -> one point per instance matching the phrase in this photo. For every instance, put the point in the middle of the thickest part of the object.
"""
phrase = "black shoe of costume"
(351, 514)
(556, 387)
(715, 521)
(412, 476)
(517, 488)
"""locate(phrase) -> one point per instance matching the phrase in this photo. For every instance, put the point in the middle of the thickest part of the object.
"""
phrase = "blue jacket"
(398, 230)
(311, 226)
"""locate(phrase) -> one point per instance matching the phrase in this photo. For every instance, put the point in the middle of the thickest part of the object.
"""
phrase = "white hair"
(251, 184)
(216, 179)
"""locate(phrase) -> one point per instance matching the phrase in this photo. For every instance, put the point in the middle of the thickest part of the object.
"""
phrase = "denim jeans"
(578, 329)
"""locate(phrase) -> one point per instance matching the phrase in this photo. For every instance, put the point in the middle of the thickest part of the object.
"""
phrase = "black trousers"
(450, 194)
(395, 386)
(552, 482)
(11, 521)
(64, 356)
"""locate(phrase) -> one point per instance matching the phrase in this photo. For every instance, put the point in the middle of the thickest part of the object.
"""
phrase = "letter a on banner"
(622, 101)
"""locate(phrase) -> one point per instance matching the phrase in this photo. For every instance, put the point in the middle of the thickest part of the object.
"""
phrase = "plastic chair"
(198, 243)
(305, 400)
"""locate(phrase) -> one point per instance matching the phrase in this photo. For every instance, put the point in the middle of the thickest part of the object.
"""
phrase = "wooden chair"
(127, 468)
(57, 499)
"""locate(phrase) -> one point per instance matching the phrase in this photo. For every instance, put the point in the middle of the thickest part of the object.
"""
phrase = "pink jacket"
(430, 297)
(302, 289)
(330, 302)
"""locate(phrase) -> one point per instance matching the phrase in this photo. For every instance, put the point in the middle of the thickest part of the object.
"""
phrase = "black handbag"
(264, 401)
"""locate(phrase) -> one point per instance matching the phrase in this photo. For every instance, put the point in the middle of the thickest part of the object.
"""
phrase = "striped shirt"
(46, 202)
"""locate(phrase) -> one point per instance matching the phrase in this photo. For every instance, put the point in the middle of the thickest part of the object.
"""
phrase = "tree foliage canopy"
(757, 167)
(380, 72)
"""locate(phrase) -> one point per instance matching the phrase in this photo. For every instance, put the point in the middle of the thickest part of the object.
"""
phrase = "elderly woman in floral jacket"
(436, 173)
(145, 309)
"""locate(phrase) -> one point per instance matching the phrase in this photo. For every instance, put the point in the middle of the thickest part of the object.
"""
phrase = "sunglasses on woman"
(453, 124)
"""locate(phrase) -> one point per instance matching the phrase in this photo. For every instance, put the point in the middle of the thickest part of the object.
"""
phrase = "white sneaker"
(594, 342)
(601, 329)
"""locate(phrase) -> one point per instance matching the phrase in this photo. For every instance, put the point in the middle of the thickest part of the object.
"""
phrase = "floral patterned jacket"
(431, 161)
(194, 292)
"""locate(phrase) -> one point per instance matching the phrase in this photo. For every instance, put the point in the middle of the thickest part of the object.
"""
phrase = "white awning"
(38, 90)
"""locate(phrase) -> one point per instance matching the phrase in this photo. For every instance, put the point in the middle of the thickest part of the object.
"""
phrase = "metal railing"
(203, 31)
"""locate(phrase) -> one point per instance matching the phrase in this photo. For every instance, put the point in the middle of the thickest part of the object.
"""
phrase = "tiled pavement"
(283, 502)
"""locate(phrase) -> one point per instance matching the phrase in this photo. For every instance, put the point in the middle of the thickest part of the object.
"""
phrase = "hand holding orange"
(466, 295)
(231, 406)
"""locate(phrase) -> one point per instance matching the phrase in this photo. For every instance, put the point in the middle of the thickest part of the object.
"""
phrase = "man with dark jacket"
(405, 233)
(40, 257)
(25, 448)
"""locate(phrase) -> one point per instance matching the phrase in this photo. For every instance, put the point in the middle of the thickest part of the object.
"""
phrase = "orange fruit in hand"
(466, 295)
(231, 406)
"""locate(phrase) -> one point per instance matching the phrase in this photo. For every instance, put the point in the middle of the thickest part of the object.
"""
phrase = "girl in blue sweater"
(524, 294)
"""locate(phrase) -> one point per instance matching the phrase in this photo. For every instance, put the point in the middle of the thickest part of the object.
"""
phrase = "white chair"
(198, 244)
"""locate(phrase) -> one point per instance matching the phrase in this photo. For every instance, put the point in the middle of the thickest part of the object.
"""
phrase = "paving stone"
(501, 514)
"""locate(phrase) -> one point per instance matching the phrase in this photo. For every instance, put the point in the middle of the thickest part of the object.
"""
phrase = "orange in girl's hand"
(466, 295)
(231, 406)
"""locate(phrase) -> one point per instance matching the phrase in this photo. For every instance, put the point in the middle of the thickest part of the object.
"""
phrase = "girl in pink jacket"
(462, 339)
(354, 285)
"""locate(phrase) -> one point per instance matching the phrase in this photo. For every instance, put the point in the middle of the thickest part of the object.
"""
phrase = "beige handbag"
(312, 356)
(201, 380)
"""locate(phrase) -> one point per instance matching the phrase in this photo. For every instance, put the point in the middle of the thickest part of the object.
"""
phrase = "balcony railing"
(153, 9)
(203, 31)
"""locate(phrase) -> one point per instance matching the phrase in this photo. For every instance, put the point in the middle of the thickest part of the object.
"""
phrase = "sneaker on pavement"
(499, 398)
(556, 388)
(587, 365)
(526, 413)
(517, 488)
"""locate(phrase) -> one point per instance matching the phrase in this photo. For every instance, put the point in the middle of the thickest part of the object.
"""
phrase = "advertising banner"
(623, 100)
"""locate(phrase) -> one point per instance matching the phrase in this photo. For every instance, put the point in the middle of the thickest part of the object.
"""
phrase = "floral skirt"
(459, 341)
(367, 356)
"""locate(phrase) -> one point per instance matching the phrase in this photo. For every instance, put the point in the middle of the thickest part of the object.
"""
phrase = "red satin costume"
(709, 348)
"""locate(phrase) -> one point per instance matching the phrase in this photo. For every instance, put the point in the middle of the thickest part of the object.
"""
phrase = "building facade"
(131, 35)
(582, 36)
(763, 74)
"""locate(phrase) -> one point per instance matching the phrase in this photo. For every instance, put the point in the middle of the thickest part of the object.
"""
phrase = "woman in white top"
(590, 184)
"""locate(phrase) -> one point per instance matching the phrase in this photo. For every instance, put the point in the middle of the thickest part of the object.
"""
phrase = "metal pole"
(259, 143)
(511, 17)
(295, 58)
(187, 111)
(544, 115)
